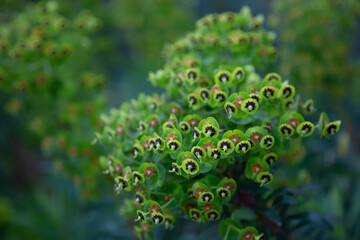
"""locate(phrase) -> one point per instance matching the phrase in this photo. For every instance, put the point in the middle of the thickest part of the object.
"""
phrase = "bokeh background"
(63, 64)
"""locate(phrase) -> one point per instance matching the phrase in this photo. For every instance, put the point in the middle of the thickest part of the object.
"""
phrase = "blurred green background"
(51, 187)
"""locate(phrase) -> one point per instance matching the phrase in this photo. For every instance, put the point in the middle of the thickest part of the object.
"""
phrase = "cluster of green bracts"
(176, 155)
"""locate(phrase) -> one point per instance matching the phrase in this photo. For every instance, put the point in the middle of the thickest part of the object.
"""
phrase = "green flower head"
(238, 74)
(206, 197)
(220, 97)
(226, 146)
(139, 199)
(264, 178)
(223, 193)
(193, 100)
(305, 129)
(137, 150)
(286, 92)
(198, 152)
(267, 142)
(212, 215)
(205, 95)
(223, 77)
(196, 215)
(243, 147)
(214, 154)
(270, 158)
(173, 145)
(190, 167)
(274, 78)
(286, 130)
(121, 184)
(256, 97)
(157, 218)
(192, 75)
(210, 130)
(141, 216)
(268, 92)
(250, 105)
(230, 108)
(184, 127)
(138, 177)
(159, 143)
(331, 128)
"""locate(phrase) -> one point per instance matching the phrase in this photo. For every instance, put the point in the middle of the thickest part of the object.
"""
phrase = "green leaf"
(229, 228)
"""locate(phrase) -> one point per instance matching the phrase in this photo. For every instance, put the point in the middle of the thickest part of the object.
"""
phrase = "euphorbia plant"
(195, 151)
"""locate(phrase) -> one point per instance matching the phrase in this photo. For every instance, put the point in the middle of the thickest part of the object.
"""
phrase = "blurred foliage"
(147, 25)
(316, 45)
(143, 28)
(52, 103)
(59, 214)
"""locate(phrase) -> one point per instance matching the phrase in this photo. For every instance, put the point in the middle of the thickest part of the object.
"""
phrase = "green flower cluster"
(220, 127)
(53, 103)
